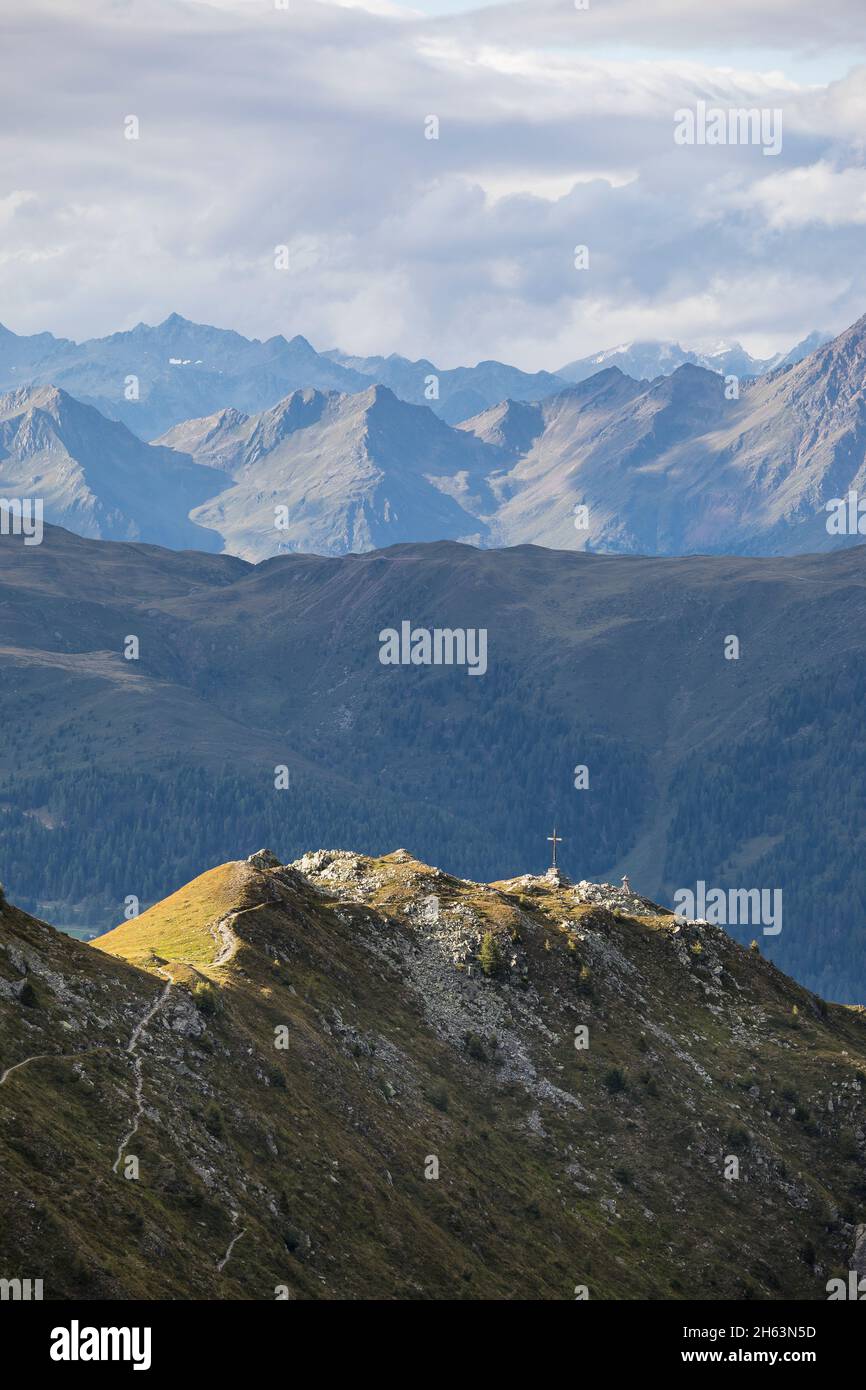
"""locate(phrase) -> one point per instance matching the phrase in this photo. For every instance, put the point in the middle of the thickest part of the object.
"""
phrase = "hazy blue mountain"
(651, 359)
(354, 473)
(676, 464)
(186, 370)
(182, 369)
(19, 356)
(672, 465)
(94, 476)
(462, 391)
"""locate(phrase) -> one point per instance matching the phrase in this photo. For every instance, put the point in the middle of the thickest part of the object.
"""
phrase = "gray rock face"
(95, 477)
(265, 859)
(350, 472)
(556, 878)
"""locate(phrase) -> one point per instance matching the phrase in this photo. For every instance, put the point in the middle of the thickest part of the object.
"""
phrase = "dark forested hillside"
(792, 790)
(743, 773)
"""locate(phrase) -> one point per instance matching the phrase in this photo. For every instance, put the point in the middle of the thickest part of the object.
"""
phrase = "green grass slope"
(429, 1027)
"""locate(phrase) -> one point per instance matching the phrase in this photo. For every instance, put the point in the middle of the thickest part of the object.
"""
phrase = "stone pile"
(616, 899)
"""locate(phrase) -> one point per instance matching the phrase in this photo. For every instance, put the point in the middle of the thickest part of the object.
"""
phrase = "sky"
(305, 127)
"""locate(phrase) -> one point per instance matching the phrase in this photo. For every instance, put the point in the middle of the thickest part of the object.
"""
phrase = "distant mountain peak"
(511, 426)
(378, 394)
(46, 397)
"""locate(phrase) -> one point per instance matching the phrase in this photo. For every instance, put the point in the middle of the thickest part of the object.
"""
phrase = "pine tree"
(490, 955)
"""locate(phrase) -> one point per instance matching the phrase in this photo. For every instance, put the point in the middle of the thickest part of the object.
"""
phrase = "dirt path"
(37, 1057)
(91, 1051)
(225, 939)
(221, 1264)
(143, 1022)
(139, 1076)
(52, 1056)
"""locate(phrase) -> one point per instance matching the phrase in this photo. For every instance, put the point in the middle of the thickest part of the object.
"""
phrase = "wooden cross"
(557, 840)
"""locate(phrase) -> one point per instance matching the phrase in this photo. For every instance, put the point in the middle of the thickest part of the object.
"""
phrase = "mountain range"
(258, 699)
(649, 359)
(357, 1078)
(154, 377)
(679, 464)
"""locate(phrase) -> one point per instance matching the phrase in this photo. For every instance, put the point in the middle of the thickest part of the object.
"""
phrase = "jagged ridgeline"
(361, 1077)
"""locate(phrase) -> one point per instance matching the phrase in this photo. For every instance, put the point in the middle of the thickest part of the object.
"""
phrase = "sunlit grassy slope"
(298, 1092)
(177, 928)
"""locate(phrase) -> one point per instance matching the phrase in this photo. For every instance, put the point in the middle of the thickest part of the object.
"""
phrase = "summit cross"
(556, 840)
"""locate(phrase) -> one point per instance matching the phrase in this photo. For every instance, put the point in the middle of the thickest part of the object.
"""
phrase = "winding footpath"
(37, 1057)
(227, 943)
(136, 1063)
(52, 1057)
(221, 1264)
(225, 939)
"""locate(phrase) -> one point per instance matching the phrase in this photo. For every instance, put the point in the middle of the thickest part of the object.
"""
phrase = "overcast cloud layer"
(305, 127)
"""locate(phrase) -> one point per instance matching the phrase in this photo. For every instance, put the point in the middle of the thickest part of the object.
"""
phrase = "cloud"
(674, 26)
(306, 127)
(819, 195)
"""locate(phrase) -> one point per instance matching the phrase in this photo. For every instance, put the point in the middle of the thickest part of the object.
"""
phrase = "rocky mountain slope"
(670, 466)
(97, 478)
(359, 1077)
(740, 773)
(675, 466)
(352, 473)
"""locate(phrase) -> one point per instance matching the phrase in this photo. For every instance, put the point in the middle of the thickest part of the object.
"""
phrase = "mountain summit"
(334, 473)
(355, 1077)
(94, 476)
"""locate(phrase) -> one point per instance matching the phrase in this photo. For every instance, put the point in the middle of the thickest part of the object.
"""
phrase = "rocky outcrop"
(264, 859)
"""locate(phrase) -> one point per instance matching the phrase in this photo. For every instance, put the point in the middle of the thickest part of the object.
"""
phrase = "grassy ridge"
(557, 1166)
